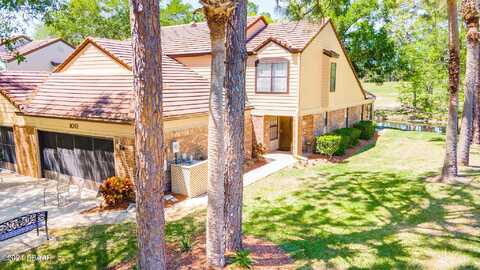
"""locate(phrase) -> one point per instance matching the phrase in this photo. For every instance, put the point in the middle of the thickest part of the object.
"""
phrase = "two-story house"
(300, 80)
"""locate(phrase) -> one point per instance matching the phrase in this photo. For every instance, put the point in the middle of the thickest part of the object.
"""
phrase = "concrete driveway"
(21, 195)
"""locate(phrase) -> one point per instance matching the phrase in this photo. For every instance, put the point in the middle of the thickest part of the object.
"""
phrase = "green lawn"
(387, 94)
(373, 211)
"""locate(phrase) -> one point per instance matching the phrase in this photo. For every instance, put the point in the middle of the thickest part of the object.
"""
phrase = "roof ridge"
(202, 22)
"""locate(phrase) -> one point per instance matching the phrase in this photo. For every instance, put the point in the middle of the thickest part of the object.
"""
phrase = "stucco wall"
(7, 112)
(315, 77)
(40, 60)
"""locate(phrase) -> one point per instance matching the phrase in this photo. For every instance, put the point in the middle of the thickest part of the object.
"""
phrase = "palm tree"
(217, 14)
(149, 175)
(470, 16)
(450, 170)
(234, 124)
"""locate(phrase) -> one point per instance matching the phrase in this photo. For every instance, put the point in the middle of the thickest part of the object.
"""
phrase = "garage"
(8, 157)
(76, 157)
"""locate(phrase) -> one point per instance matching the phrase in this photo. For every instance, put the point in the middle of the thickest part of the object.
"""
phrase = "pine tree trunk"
(466, 132)
(149, 146)
(476, 107)
(235, 124)
(449, 169)
(217, 13)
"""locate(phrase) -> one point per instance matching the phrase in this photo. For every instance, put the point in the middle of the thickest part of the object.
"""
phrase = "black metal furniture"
(24, 224)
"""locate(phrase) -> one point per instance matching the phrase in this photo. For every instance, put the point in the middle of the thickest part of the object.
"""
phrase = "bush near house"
(116, 191)
(328, 144)
(353, 133)
(337, 142)
(367, 128)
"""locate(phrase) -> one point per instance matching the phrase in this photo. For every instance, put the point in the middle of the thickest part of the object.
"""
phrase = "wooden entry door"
(285, 143)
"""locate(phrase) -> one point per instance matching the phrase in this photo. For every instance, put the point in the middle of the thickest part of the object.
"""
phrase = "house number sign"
(74, 125)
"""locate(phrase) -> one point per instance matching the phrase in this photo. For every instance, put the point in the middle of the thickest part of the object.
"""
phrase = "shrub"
(242, 259)
(367, 128)
(259, 150)
(185, 243)
(117, 190)
(328, 144)
(353, 133)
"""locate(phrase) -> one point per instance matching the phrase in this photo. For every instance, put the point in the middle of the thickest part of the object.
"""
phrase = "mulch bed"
(254, 164)
(124, 206)
(266, 255)
(348, 153)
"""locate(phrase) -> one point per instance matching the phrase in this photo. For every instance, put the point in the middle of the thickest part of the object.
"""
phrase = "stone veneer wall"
(308, 135)
(336, 120)
(314, 125)
(193, 141)
(354, 115)
(27, 151)
(261, 131)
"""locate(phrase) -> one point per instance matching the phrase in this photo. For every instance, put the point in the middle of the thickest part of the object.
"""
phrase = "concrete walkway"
(19, 195)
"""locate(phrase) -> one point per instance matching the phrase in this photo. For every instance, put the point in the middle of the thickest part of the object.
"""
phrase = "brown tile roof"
(17, 86)
(195, 38)
(110, 97)
(294, 36)
(31, 46)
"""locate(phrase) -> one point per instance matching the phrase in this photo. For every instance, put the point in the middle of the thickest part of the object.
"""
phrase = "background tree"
(15, 15)
(450, 170)
(470, 16)
(217, 14)
(252, 10)
(77, 19)
(149, 143)
(424, 53)
(235, 124)
(362, 26)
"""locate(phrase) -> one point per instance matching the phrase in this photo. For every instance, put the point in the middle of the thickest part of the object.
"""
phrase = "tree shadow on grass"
(95, 247)
(351, 214)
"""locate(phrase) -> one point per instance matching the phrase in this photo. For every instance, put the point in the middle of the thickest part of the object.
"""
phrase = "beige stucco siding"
(92, 60)
(41, 59)
(8, 117)
(106, 129)
(315, 76)
(87, 128)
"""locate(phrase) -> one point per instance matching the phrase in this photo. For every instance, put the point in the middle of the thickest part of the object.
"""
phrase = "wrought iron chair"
(62, 186)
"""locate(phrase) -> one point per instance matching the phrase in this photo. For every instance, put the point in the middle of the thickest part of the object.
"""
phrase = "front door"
(285, 143)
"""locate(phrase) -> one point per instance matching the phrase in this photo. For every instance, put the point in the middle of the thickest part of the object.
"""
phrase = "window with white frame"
(272, 77)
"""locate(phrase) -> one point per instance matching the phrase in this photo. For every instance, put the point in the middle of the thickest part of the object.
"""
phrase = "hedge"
(367, 128)
(353, 133)
(328, 144)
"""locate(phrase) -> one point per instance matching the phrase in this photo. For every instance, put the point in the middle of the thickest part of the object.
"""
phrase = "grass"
(96, 247)
(373, 211)
(387, 94)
